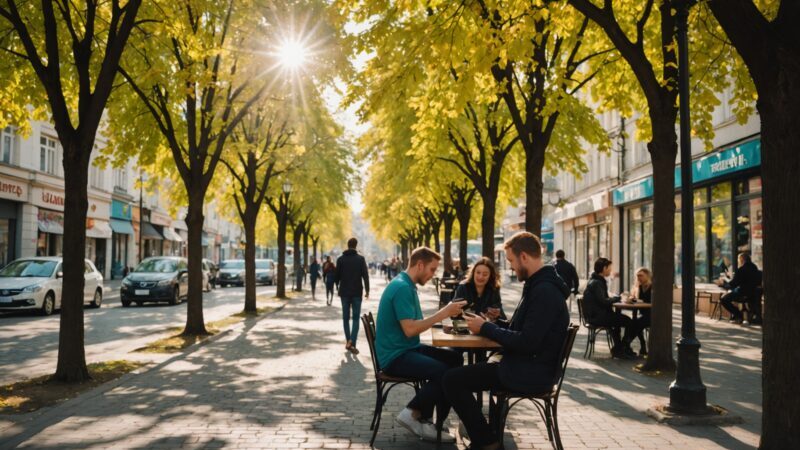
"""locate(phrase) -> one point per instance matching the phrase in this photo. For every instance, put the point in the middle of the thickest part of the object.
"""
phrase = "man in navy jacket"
(531, 341)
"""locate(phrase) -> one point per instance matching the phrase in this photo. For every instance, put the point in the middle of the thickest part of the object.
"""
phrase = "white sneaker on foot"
(407, 421)
(429, 433)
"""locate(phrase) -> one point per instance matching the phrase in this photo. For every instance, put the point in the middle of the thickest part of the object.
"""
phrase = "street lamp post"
(687, 394)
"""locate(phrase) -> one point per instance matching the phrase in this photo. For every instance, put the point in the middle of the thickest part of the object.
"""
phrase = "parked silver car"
(265, 271)
(35, 284)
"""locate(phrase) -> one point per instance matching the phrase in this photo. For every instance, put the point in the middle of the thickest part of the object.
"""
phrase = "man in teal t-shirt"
(399, 351)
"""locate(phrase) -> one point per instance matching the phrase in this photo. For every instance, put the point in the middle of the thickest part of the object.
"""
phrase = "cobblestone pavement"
(285, 381)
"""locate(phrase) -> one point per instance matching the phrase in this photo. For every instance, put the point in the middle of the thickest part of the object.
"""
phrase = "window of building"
(640, 239)
(7, 145)
(718, 236)
(95, 177)
(121, 179)
(48, 148)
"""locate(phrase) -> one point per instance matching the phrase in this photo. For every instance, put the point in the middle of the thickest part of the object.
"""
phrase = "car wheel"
(125, 303)
(223, 285)
(176, 297)
(98, 299)
(139, 303)
(48, 305)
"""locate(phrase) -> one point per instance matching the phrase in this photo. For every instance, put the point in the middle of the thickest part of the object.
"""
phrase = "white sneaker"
(429, 433)
(407, 421)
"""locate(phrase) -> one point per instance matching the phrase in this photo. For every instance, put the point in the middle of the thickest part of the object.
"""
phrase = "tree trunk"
(315, 242)
(436, 243)
(280, 287)
(487, 224)
(448, 220)
(249, 222)
(404, 251)
(534, 169)
(297, 234)
(463, 227)
(306, 261)
(195, 324)
(779, 107)
(71, 365)
(663, 150)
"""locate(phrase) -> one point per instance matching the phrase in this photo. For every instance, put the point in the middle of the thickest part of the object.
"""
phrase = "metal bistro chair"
(716, 310)
(546, 403)
(593, 331)
(384, 383)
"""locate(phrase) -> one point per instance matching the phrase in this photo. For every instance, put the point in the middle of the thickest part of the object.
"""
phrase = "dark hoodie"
(351, 270)
(533, 338)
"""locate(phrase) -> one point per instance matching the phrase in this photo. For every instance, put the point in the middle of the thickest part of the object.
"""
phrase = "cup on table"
(625, 297)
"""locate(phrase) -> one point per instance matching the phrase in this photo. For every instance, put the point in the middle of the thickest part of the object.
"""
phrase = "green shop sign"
(730, 160)
(121, 210)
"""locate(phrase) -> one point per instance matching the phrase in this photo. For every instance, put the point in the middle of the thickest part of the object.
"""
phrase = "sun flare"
(292, 54)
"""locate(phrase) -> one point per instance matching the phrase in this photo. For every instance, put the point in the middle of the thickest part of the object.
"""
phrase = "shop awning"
(99, 230)
(171, 235)
(50, 224)
(121, 226)
(149, 231)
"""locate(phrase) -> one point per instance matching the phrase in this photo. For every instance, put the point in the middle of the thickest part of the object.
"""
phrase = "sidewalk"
(285, 381)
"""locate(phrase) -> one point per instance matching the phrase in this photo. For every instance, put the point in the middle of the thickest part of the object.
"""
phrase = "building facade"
(125, 223)
(608, 211)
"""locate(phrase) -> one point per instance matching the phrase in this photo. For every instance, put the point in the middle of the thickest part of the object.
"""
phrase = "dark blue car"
(156, 279)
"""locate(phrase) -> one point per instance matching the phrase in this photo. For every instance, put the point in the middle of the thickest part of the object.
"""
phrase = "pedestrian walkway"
(285, 381)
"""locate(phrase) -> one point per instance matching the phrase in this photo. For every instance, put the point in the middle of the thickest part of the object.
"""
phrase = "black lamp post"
(687, 394)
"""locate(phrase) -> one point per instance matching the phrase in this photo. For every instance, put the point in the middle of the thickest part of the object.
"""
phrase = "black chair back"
(581, 317)
(369, 330)
(566, 350)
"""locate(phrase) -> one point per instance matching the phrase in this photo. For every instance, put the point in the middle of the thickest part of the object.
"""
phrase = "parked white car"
(35, 284)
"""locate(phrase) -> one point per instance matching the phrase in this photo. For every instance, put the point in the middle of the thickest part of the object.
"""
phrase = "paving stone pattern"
(286, 382)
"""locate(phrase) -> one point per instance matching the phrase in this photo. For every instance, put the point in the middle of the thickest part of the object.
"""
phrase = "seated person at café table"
(481, 290)
(642, 291)
(398, 348)
(599, 311)
(744, 288)
(531, 342)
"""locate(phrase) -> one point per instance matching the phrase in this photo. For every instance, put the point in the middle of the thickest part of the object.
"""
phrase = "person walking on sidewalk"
(314, 274)
(399, 351)
(329, 276)
(351, 271)
(567, 273)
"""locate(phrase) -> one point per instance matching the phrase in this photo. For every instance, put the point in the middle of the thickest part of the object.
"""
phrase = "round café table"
(635, 307)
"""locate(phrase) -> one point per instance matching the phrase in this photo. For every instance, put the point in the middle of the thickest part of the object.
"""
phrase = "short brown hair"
(524, 242)
(424, 255)
(352, 243)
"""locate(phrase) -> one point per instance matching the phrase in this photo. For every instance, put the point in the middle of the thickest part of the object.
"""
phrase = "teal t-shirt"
(398, 302)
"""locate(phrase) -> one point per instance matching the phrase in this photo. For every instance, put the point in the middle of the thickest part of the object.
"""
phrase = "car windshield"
(262, 264)
(29, 268)
(158, 265)
(238, 264)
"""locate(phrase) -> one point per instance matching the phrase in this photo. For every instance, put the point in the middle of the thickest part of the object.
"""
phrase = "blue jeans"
(428, 363)
(351, 332)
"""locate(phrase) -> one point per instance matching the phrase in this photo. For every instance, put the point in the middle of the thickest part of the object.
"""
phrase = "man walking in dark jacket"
(351, 270)
(531, 341)
(745, 287)
(567, 272)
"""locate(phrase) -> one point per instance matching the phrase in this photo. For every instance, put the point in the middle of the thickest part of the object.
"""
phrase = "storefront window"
(591, 248)
(749, 229)
(6, 241)
(721, 241)
(700, 246)
(49, 244)
(580, 253)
